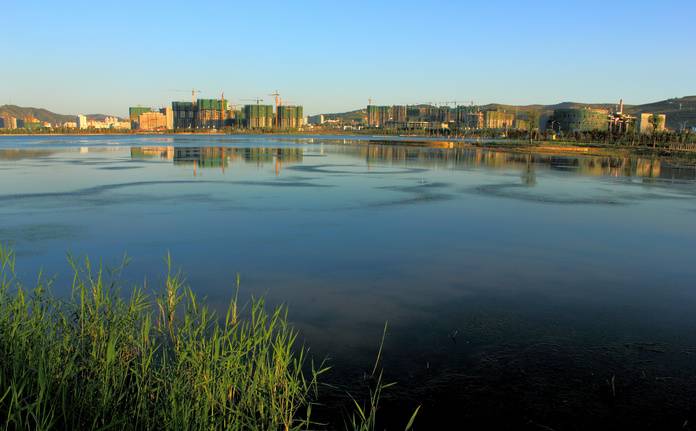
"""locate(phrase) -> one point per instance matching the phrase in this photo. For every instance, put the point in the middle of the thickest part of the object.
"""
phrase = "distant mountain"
(39, 113)
(349, 116)
(43, 114)
(678, 110)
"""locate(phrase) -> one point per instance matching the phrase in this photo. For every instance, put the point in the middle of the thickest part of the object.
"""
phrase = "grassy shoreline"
(99, 360)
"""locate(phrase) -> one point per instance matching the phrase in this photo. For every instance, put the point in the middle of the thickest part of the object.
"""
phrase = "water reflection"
(220, 157)
(434, 155)
(19, 154)
(467, 157)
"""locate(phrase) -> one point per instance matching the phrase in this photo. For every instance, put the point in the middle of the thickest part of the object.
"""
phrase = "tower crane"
(278, 102)
(222, 110)
(255, 99)
(193, 95)
(258, 100)
(194, 92)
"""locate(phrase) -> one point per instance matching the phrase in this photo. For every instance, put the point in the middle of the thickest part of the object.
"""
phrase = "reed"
(102, 359)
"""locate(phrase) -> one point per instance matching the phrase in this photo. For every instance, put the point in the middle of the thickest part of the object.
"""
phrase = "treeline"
(665, 139)
(684, 141)
(654, 140)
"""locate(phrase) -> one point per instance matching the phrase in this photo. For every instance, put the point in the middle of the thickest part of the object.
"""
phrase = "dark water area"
(521, 291)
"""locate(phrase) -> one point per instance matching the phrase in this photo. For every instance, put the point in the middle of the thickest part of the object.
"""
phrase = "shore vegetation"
(102, 360)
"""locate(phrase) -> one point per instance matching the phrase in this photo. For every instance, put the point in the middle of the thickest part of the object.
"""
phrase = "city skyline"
(85, 59)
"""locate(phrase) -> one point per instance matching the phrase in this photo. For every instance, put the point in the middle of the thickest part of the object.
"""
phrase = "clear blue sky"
(88, 57)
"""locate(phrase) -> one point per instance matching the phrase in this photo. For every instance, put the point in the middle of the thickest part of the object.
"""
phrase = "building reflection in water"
(435, 155)
(445, 155)
(221, 157)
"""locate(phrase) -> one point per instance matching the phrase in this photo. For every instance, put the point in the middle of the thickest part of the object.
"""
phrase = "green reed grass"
(103, 360)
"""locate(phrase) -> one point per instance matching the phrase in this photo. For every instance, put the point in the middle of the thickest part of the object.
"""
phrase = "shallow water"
(515, 285)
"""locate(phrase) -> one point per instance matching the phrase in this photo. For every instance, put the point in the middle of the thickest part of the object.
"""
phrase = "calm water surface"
(516, 286)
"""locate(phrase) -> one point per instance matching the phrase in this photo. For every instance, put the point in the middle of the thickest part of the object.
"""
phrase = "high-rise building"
(81, 121)
(399, 114)
(258, 116)
(378, 116)
(210, 113)
(290, 117)
(184, 115)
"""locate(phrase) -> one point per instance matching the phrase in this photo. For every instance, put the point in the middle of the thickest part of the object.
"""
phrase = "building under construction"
(202, 114)
(210, 113)
(184, 115)
(216, 114)
(378, 116)
(469, 118)
(258, 116)
(289, 117)
(427, 116)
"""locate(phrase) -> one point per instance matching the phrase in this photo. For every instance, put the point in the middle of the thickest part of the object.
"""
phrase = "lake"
(521, 291)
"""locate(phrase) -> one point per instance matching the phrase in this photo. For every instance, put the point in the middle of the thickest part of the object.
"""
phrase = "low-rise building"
(648, 122)
(134, 113)
(315, 119)
(521, 124)
(572, 120)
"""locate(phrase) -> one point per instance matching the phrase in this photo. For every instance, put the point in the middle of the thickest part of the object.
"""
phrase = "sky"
(102, 57)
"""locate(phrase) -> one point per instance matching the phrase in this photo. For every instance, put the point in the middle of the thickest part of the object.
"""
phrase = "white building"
(81, 121)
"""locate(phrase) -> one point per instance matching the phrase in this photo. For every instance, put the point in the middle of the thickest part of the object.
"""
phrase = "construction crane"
(194, 92)
(278, 101)
(258, 100)
(255, 99)
(222, 110)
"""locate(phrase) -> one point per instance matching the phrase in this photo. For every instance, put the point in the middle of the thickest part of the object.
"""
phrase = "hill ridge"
(679, 110)
(43, 114)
